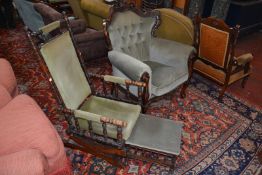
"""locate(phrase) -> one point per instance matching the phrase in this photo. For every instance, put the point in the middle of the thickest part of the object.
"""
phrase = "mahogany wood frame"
(145, 77)
(230, 60)
(114, 151)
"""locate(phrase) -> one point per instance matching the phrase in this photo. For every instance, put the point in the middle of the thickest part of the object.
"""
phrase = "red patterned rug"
(218, 138)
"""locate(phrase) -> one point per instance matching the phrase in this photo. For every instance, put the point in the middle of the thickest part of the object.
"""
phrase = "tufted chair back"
(131, 34)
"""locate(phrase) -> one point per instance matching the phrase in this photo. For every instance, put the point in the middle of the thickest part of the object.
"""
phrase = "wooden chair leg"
(183, 90)
(190, 69)
(222, 92)
(244, 81)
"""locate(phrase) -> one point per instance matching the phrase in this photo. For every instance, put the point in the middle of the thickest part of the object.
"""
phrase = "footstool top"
(157, 134)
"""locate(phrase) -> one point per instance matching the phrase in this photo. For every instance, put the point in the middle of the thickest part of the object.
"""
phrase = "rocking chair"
(105, 127)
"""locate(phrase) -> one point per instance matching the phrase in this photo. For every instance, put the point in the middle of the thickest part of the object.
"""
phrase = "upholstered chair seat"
(220, 75)
(114, 109)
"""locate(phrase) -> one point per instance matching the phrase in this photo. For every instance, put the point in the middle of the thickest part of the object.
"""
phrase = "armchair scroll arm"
(243, 59)
(130, 66)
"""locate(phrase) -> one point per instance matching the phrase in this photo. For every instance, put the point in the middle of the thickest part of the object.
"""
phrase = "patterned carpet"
(218, 138)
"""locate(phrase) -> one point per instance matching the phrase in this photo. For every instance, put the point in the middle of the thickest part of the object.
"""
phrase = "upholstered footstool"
(157, 137)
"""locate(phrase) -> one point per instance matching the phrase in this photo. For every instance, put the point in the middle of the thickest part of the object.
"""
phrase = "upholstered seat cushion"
(164, 76)
(216, 74)
(113, 109)
(7, 77)
(24, 126)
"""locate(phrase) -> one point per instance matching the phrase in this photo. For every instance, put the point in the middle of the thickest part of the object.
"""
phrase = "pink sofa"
(29, 144)
(7, 77)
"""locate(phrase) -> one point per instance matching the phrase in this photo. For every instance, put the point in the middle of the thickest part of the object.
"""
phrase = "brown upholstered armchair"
(91, 43)
(215, 43)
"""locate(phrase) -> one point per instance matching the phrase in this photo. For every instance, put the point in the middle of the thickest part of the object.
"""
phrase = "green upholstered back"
(63, 64)
(131, 34)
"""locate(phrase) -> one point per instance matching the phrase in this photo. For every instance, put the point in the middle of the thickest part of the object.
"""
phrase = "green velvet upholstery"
(131, 36)
(111, 108)
(135, 51)
(63, 64)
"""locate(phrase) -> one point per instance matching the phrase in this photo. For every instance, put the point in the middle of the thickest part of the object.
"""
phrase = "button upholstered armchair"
(137, 55)
(215, 44)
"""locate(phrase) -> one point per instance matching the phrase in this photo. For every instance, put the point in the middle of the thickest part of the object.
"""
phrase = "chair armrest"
(118, 80)
(99, 118)
(170, 52)
(243, 59)
(131, 67)
(26, 162)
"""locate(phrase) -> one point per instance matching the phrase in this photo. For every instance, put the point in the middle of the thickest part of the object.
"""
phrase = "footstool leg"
(172, 167)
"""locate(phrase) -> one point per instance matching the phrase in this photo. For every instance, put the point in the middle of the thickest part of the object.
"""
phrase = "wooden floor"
(252, 93)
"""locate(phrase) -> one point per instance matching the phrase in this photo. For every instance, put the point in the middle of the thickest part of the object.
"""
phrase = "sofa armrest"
(89, 36)
(170, 52)
(77, 25)
(5, 97)
(91, 44)
(7, 77)
(96, 7)
(131, 67)
(48, 13)
(26, 162)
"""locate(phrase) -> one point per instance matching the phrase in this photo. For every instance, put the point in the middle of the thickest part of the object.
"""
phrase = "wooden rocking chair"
(97, 125)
